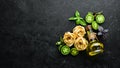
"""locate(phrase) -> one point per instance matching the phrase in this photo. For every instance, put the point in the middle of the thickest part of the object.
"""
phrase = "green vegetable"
(74, 52)
(100, 18)
(89, 17)
(58, 42)
(82, 22)
(59, 48)
(79, 20)
(65, 50)
(61, 39)
(77, 14)
(94, 25)
(72, 18)
(99, 12)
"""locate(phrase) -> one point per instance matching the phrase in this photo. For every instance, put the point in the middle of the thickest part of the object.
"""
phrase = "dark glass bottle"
(95, 47)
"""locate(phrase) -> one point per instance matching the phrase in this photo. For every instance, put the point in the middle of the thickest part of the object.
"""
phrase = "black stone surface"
(30, 28)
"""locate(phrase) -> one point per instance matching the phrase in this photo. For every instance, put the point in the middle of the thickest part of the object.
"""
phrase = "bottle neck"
(91, 35)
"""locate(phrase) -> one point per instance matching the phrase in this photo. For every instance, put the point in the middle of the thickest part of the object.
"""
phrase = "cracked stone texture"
(30, 28)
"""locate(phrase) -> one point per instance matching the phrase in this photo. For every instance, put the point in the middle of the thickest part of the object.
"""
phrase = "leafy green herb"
(79, 20)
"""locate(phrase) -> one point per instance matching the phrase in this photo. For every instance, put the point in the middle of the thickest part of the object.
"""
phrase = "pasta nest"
(81, 43)
(76, 38)
(79, 31)
(69, 38)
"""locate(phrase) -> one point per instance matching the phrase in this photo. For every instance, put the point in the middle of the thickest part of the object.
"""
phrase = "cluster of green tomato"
(94, 18)
(65, 50)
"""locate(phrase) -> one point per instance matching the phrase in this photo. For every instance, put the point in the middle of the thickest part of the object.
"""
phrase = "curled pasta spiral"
(81, 43)
(69, 38)
(79, 31)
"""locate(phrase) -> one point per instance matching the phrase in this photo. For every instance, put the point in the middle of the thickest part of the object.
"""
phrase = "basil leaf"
(78, 21)
(77, 13)
(72, 18)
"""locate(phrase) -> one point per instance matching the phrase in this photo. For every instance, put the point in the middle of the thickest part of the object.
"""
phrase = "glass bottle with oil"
(95, 47)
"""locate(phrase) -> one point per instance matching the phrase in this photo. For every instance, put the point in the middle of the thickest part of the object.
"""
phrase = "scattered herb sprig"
(79, 20)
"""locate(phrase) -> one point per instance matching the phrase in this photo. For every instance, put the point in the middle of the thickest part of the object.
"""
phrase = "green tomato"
(65, 50)
(89, 17)
(100, 18)
(94, 25)
(74, 51)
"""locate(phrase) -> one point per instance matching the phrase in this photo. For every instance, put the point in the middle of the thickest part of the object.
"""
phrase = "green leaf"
(61, 39)
(60, 47)
(72, 18)
(99, 12)
(77, 13)
(79, 17)
(88, 32)
(78, 21)
(82, 22)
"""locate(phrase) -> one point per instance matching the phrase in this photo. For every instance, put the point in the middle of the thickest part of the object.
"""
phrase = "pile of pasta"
(76, 38)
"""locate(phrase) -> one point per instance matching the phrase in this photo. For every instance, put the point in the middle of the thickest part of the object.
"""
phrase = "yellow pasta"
(79, 31)
(69, 38)
(81, 43)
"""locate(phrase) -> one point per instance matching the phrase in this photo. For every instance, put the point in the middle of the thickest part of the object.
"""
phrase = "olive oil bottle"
(95, 47)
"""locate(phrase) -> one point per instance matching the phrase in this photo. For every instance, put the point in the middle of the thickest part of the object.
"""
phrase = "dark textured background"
(30, 28)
